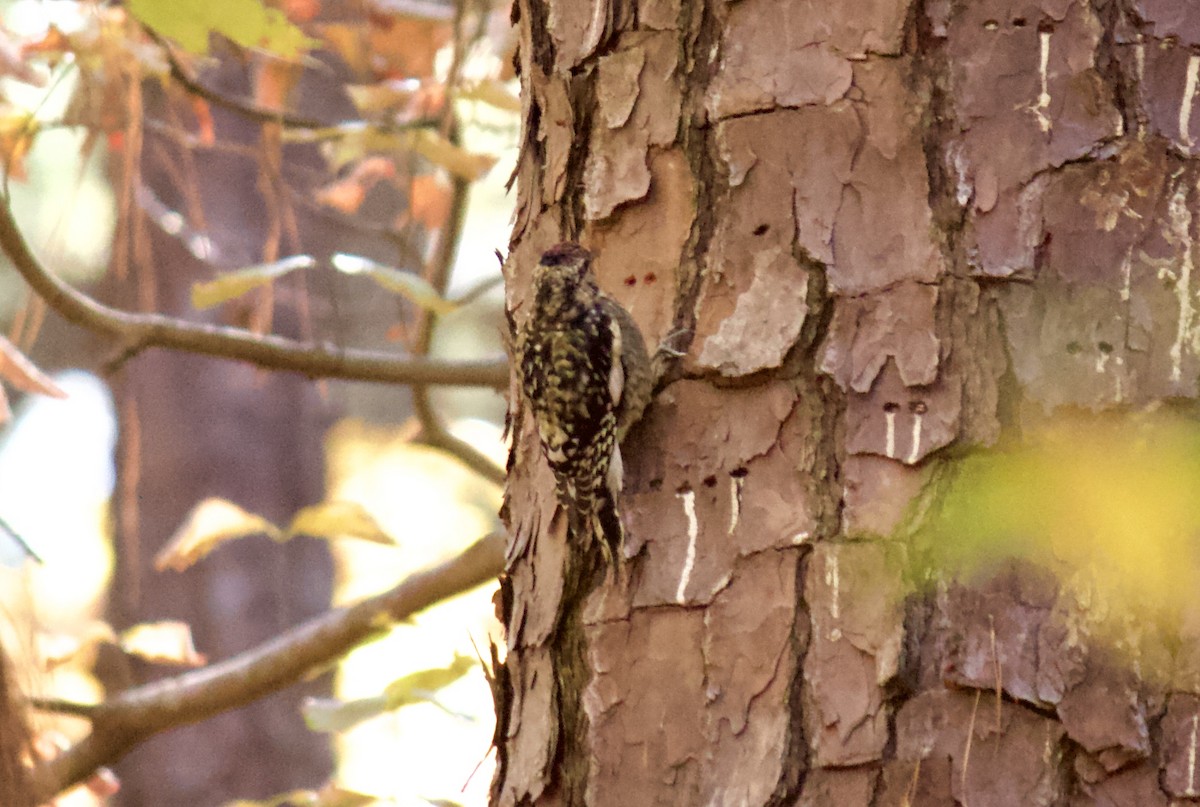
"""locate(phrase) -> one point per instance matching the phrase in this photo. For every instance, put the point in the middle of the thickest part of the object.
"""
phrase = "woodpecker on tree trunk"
(587, 378)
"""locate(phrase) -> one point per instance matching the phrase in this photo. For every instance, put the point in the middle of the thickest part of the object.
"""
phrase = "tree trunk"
(890, 228)
(194, 427)
(207, 427)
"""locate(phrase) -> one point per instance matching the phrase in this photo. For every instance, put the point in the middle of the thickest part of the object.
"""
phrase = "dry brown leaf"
(348, 42)
(211, 523)
(347, 194)
(300, 10)
(22, 374)
(167, 642)
(274, 80)
(429, 199)
(53, 43)
(406, 45)
(206, 133)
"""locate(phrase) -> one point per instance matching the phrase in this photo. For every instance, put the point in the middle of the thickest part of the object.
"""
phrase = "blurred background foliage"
(1106, 502)
(376, 138)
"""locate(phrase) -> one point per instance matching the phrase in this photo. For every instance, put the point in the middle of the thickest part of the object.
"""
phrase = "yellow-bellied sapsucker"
(587, 378)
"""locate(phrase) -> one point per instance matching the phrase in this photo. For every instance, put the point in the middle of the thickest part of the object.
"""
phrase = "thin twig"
(474, 459)
(433, 430)
(63, 707)
(134, 715)
(261, 114)
(478, 290)
(998, 674)
(966, 758)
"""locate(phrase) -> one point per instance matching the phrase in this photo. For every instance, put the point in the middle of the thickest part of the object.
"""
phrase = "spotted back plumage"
(574, 372)
(567, 363)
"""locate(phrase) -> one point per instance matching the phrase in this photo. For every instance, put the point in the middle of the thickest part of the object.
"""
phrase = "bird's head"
(563, 281)
(567, 262)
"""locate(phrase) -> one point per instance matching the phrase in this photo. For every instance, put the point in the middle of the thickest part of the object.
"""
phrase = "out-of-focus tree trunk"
(211, 428)
(892, 228)
(15, 745)
(191, 428)
(194, 427)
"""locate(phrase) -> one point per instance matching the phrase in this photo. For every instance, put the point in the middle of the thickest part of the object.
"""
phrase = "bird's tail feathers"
(593, 516)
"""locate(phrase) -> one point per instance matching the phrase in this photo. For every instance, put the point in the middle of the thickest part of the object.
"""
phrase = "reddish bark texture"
(889, 228)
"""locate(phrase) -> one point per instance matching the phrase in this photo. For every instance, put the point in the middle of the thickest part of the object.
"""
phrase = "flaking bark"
(895, 232)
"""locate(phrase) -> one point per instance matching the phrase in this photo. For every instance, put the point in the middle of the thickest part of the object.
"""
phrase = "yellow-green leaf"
(411, 286)
(328, 715)
(167, 642)
(240, 281)
(348, 142)
(1109, 503)
(328, 796)
(332, 520)
(56, 649)
(331, 715)
(211, 523)
(491, 92)
(441, 152)
(373, 99)
(247, 22)
(419, 686)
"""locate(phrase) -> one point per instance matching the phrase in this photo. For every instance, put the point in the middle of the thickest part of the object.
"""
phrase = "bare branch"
(433, 430)
(259, 114)
(136, 332)
(63, 707)
(435, 435)
(134, 715)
